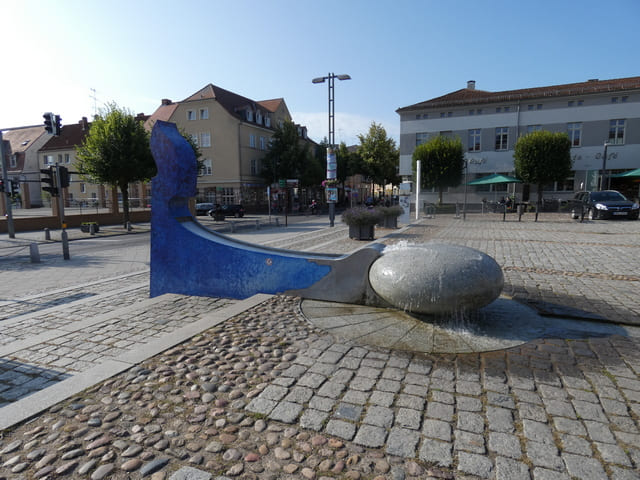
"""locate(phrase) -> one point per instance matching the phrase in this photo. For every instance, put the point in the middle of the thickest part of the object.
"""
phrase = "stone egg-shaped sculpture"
(436, 279)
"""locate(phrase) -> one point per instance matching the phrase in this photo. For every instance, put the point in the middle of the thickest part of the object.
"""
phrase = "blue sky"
(398, 53)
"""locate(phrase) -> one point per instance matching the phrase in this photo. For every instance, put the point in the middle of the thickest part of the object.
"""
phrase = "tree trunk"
(124, 188)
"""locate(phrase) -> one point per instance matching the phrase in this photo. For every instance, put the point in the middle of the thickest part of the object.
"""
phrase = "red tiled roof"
(70, 137)
(271, 105)
(163, 113)
(468, 96)
(232, 102)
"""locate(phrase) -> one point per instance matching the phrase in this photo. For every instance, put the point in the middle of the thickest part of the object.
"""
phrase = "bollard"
(92, 229)
(277, 222)
(257, 224)
(34, 253)
(47, 234)
(65, 245)
(233, 227)
(129, 227)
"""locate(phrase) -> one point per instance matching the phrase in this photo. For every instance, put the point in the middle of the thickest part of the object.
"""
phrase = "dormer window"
(249, 115)
(267, 121)
(259, 117)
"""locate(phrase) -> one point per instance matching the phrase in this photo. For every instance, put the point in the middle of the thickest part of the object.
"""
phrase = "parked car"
(603, 205)
(227, 211)
(203, 208)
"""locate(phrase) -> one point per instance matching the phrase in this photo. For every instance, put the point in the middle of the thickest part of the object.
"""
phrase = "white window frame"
(252, 140)
(83, 187)
(191, 115)
(207, 166)
(422, 137)
(502, 139)
(254, 166)
(205, 139)
(617, 127)
(67, 158)
(204, 114)
(475, 140)
(13, 161)
(574, 130)
(263, 143)
(196, 140)
(267, 121)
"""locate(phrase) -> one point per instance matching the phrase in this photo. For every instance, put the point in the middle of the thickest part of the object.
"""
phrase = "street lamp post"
(603, 184)
(332, 171)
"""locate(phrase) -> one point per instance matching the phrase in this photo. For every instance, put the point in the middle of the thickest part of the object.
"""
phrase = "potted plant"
(86, 227)
(389, 216)
(361, 221)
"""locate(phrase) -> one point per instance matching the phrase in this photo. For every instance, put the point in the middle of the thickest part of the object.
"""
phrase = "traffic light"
(51, 180)
(58, 127)
(49, 122)
(64, 177)
(1, 186)
(14, 188)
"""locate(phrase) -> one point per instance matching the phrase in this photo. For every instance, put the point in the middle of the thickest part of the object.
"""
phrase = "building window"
(442, 114)
(83, 188)
(13, 161)
(575, 133)
(614, 99)
(447, 133)
(252, 141)
(474, 140)
(479, 111)
(263, 143)
(471, 112)
(254, 166)
(194, 137)
(259, 117)
(498, 109)
(267, 121)
(616, 132)
(249, 116)
(539, 106)
(533, 128)
(191, 114)
(507, 109)
(421, 138)
(207, 167)
(418, 117)
(570, 103)
(205, 139)
(449, 114)
(624, 99)
(502, 138)
(580, 103)
(204, 114)
(227, 195)
(529, 107)
(67, 158)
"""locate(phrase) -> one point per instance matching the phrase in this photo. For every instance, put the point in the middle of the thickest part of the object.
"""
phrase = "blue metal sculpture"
(187, 258)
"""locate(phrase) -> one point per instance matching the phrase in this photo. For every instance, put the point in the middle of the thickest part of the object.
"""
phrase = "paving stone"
(379, 416)
(544, 474)
(473, 464)
(599, 432)
(468, 404)
(559, 408)
(537, 431)
(470, 422)
(532, 412)
(584, 467)
(311, 380)
(190, 473)
(613, 454)
(509, 469)
(341, 429)
(299, 395)
(470, 442)
(440, 411)
(410, 401)
(577, 445)
(286, 412)
(408, 418)
(437, 429)
(370, 436)
(589, 411)
(348, 411)
(364, 384)
(500, 400)
(261, 405)
(436, 452)
(574, 427)
(313, 419)
(321, 403)
(382, 399)
(505, 444)
(500, 419)
(544, 455)
(356, 397)
(402, 442)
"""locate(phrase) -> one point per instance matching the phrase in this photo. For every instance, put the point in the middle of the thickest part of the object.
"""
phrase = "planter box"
(389, 222)
(86, 227)
(361, 232)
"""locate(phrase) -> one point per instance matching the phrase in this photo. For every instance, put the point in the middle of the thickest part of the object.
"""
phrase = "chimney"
(166, 101)
(84, 123)
(471, 85)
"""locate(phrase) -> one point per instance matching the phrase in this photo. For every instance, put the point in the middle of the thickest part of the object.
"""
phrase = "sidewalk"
(185, 387)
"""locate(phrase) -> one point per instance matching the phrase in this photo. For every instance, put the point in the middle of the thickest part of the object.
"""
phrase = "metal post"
(63, 235)
(7, 196)
(34, 253)
(604, 167)
(418, 168)
(466, 180)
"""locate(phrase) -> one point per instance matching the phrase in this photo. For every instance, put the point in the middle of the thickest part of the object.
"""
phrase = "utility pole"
(7, 194)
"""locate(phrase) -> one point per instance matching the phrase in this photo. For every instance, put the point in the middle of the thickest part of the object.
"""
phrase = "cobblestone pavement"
(265, 395)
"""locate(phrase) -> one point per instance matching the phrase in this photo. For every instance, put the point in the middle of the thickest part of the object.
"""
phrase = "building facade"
(592, 113)
(233, 133)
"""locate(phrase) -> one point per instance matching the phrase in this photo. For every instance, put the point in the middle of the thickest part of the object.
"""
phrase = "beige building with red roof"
(592, 113)
(233, 134)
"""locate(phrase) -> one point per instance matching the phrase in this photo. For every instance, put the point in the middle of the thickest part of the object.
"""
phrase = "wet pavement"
(102, 382)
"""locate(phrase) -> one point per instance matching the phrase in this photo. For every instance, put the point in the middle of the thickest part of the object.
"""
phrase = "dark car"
(203, 208)
(221, 211)
(603, 205)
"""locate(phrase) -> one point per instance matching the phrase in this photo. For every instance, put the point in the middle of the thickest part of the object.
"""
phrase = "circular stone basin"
(436, 279)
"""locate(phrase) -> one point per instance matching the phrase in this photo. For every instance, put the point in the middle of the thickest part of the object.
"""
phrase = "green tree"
(287, 155)
(379, 155)
(116, 152)
(442, 163)
(543, 157)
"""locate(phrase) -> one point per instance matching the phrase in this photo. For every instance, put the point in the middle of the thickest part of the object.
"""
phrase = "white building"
(593, 113)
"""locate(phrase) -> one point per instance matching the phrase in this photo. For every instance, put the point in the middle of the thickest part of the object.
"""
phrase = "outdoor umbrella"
(629, 174)
(495, 178)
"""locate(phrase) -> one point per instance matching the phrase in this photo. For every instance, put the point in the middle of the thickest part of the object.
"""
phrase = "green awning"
(495, 178)
(629, 174)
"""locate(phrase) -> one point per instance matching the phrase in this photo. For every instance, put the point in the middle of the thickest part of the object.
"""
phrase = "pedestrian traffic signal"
(57, 125)
(49, 124)
(64, 177)
(14, 188)
(51, 180)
